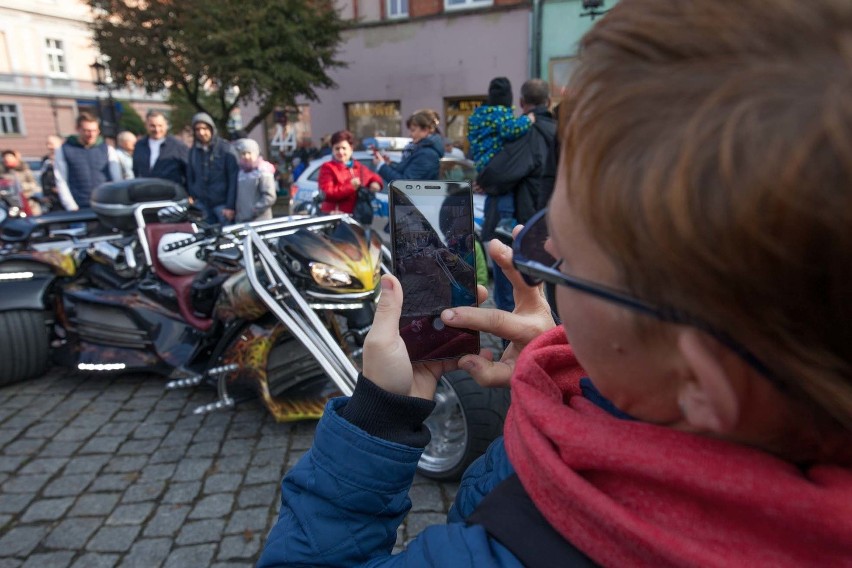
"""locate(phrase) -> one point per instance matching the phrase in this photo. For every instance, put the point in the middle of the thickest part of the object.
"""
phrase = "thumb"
(389, 308)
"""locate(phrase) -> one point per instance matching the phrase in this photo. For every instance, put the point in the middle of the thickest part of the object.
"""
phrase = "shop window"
(10, 119)
(457, 110)
(374, 118)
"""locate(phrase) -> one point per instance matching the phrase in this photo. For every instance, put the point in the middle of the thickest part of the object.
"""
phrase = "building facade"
(403, 55)
(46, 51)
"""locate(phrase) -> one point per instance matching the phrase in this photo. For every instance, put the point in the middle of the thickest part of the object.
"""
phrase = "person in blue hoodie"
(212, 171)
(423, 159)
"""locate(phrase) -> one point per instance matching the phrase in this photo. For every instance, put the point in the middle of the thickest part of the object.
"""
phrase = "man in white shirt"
(160, 155)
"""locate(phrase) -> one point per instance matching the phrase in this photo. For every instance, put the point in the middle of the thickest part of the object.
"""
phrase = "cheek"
(600, 335)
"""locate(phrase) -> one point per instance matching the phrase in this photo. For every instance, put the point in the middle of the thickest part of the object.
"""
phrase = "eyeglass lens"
(532, 245)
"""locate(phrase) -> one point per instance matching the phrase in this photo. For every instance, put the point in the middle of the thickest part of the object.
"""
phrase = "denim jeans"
(504, 297)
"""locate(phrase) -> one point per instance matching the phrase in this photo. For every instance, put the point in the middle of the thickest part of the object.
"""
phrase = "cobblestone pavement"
(114, 471)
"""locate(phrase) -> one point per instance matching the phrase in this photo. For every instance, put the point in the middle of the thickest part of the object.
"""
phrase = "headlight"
(326, 275)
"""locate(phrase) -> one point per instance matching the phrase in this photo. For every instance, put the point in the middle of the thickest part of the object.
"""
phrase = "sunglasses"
(536, 265)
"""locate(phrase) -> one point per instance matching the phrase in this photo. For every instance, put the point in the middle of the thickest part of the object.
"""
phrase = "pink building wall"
(419, 63)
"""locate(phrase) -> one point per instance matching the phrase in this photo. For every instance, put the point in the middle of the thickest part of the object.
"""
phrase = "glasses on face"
(536, 265)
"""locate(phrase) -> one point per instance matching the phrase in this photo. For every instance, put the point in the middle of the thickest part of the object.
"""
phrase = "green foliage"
(218, 53)
(183, 110)
(130, 119)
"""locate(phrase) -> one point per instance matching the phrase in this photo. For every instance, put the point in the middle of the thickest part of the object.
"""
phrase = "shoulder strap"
(510, 517)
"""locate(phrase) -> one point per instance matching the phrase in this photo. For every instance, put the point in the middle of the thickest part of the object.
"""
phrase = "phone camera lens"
(418, 187)
(407, 187)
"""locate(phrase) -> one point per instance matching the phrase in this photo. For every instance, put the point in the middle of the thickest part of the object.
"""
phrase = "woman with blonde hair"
(422, 160)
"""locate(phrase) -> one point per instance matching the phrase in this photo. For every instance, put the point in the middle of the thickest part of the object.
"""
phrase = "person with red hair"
(341, 177)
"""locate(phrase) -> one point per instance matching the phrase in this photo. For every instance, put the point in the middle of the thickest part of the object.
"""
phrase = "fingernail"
(387, 284)
(448, 315)
(467, 364)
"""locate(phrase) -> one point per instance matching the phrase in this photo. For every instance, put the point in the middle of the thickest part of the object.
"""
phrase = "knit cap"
(499, 92)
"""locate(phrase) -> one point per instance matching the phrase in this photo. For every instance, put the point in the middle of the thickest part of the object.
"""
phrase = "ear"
(707, 399)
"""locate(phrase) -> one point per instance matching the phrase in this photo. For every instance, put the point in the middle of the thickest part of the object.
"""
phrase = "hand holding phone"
(434, 259)
(386, 360)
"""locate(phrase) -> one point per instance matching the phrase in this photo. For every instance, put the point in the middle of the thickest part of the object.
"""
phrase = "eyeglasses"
(536, 265)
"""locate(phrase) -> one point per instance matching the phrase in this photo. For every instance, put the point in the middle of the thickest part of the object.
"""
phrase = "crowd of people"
(228, 180)
(694, 407)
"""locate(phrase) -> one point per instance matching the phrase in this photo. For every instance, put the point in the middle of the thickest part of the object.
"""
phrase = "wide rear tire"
(465, 421)
(24, 348)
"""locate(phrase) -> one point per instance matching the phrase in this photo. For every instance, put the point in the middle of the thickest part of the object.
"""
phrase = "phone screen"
(434, 260)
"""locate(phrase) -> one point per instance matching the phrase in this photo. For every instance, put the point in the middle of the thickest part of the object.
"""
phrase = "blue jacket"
(342, 503)
(211, 175)
(424, 162)
(170, 164)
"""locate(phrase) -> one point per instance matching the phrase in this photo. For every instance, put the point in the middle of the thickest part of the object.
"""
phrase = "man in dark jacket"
(525, 167)
(212, 171)
(160, 155)
(84, 162)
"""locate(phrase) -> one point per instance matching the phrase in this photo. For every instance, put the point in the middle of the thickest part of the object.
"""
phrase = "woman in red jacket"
(340, 177)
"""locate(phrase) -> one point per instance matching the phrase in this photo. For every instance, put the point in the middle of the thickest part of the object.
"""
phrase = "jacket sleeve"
(345, 511)
(182, 154)
(266, 193)
(190, 175)
(513, 128)
(60, 171)
(420, 165)
(232, 170)
(114, 165)
(141, 155)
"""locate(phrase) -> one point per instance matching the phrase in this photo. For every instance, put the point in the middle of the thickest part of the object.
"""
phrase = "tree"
(219, 53)
(130, 119)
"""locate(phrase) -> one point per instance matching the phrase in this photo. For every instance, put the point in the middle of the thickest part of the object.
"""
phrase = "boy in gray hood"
(212, 170)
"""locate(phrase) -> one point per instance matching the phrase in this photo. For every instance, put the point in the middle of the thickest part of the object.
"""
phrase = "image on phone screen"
(434, 260)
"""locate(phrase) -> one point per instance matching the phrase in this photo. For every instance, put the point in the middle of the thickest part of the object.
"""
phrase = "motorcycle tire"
(24, 349)
(466, 419)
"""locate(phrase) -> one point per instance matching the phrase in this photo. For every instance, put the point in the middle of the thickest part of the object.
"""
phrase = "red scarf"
(633, 494)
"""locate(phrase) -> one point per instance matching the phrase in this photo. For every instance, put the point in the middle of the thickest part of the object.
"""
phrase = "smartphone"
(434, 258)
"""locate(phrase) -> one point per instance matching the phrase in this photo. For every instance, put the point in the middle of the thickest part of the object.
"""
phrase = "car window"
(457, 170)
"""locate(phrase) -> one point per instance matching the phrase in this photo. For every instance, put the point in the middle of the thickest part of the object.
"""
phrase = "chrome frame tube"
(302, 321)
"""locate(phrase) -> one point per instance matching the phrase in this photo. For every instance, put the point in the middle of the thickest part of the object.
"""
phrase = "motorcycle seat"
(115, 202)
(181, 284)
(23, 228)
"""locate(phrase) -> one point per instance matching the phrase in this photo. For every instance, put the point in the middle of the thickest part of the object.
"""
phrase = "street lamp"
(103, 81)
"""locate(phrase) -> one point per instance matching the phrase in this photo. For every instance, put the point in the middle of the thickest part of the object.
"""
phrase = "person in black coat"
(160, 155)
(525, 168)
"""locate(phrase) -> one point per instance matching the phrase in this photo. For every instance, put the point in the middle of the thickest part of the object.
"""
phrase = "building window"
(10, 120)
(463, 4)
(374, 118)
(397, 8)
(55, 56)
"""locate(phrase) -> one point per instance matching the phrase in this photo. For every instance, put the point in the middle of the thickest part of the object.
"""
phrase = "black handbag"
(363, 212)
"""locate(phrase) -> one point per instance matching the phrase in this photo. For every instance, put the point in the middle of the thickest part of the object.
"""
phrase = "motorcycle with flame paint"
(274, 310)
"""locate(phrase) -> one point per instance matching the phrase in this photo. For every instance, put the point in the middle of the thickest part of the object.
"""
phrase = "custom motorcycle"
(275, 310)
